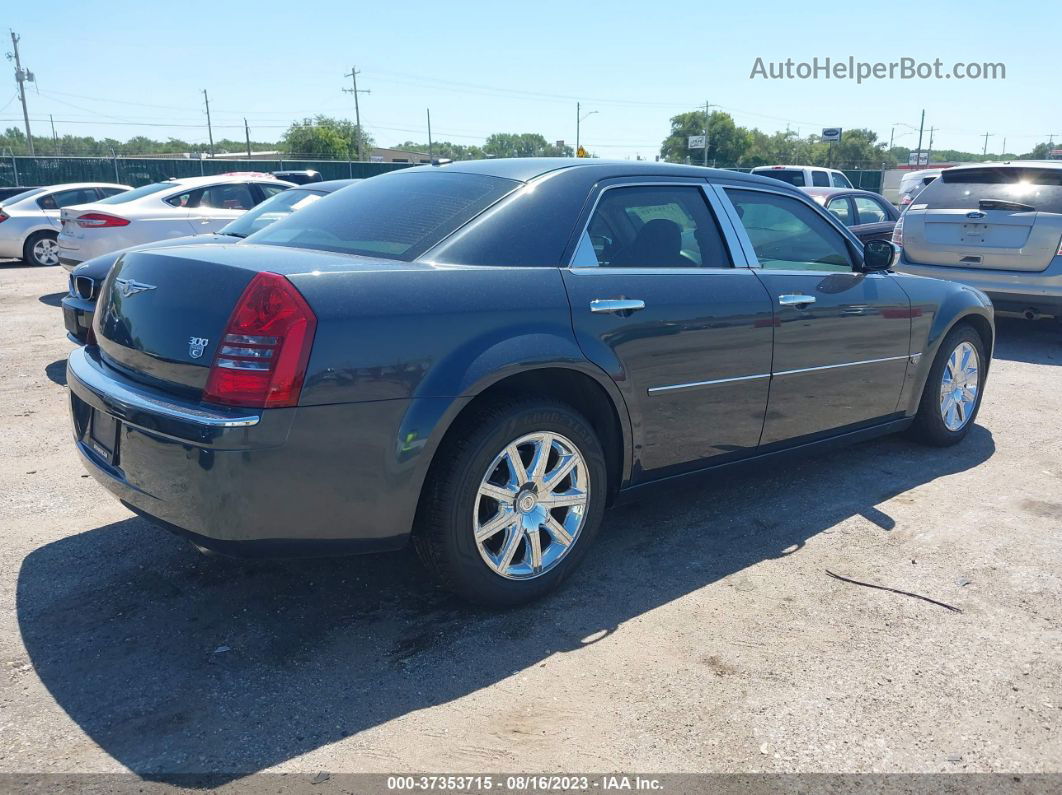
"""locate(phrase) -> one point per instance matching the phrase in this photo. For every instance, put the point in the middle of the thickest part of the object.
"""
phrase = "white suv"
(805, 176)
(162, 210)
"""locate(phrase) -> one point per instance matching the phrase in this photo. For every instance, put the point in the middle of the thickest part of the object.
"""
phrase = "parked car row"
(86, 278)
(480, 357)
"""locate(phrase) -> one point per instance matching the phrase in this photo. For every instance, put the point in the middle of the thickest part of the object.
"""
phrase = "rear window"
(137, 193)
(820, 179)
(790, 175)
(964, 189)
(399, 216)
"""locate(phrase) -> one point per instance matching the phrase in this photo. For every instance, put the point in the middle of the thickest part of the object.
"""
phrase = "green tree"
(523, 145)
(444, 149)
(726, 141)
(325, 138)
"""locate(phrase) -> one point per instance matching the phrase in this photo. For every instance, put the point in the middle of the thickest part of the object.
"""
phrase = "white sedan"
(29, 221)
(160, 211)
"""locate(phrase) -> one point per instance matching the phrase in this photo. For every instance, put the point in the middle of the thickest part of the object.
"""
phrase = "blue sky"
(521, 67)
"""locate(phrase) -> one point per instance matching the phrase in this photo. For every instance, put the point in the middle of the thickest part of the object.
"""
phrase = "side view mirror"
(879, 255)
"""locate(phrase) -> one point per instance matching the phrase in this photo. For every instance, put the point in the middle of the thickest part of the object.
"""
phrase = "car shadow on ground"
(1030, 341)
(178, 664)
(52, 299)
(56, 372)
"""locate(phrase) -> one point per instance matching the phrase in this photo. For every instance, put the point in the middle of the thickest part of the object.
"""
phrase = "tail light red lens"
(261, 359)
(3, 217)
(96, 220)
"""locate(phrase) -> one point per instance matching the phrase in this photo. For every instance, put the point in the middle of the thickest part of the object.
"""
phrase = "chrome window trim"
(656, 390)
(737, 252)
(750, 252)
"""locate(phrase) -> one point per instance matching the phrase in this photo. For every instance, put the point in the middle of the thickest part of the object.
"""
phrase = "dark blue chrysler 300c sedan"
(481, 357)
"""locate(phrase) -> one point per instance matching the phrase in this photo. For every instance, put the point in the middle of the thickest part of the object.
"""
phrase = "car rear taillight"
(897, 232)
(96, 220)
(3, 217)
(1059, 252)
(261, 359)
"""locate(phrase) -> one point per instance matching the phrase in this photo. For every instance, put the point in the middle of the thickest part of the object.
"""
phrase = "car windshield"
(138, 193)
(272, 209)
(965, 189)
(790, 175)
(399, 215)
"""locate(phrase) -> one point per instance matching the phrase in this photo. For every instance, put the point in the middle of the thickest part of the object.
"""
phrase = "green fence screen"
(137, 171)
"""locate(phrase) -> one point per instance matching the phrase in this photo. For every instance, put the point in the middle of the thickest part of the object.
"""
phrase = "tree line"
(729, 145)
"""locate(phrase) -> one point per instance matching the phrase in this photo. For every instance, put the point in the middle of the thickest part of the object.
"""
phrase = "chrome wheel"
(531, 505)
(46, 252)
(958, 386)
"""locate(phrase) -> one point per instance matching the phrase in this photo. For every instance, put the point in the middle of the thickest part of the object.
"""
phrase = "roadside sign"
(581, 152)
(696, 142)
(917, 158)
(831, 133)
(1055, 153)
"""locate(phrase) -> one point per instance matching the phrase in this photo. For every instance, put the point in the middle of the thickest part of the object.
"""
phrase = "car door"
(873, 220)
(684, 329)
(216, 205)
(842, 337)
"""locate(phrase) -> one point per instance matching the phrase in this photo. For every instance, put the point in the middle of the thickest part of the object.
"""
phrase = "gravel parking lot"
(702, 633)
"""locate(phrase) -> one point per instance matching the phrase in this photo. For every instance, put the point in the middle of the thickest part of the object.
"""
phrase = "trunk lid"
(996, 218)
(162, 312)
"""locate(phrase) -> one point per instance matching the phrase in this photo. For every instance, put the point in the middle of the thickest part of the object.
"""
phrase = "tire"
(476, 457)
(942, 421)
(41, 249)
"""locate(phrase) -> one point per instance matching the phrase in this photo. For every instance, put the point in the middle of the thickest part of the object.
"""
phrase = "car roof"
(1052, 164)
(524, 169)
(218, 179)
(828, 192)
(74, 185)
(768, 168)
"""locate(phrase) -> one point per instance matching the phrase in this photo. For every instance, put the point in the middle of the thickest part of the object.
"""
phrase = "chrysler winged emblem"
(128, 287)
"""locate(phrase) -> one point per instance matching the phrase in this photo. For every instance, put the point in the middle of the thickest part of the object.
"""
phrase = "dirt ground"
(701, 634)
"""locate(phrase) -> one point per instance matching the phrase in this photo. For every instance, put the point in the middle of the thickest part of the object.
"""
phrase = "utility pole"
(210, 129)
(431, 149)
(578, 121)
(22, 76)
(892, 134)
(929, 152)
(706, 133)
(985, 152)
(1004, 152)
(247, 134)
(357, 110)
(921, 126)
(55, 138)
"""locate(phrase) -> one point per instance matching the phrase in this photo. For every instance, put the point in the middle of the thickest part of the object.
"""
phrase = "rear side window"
(137, 193)
(398, 215)
(965, 189)
(841, 209)
(66, 198)
(870, 211)
(653, 227)
(790, 176)
(840, 180)
(821, 179)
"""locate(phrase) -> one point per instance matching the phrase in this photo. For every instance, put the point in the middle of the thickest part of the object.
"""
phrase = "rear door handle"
(599, 305)
(795, 300)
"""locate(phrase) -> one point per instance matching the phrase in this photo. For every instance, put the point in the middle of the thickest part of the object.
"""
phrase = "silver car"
(996, 227)
(29, 222)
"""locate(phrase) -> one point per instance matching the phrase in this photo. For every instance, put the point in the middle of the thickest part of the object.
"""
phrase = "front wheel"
(42, 249)
(513, 501)
(953, 390)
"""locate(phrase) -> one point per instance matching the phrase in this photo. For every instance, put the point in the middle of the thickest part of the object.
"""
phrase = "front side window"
(820, 179)
(786, 234)
(653, 227)
(840, 180)
(397, 215)
(870, 211)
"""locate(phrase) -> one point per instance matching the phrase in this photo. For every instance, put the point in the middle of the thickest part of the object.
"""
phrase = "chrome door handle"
(795, 300)
(599, 305)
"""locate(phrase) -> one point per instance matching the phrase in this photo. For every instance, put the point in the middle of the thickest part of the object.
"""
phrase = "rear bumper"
(307, 480)
(1010, 291)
